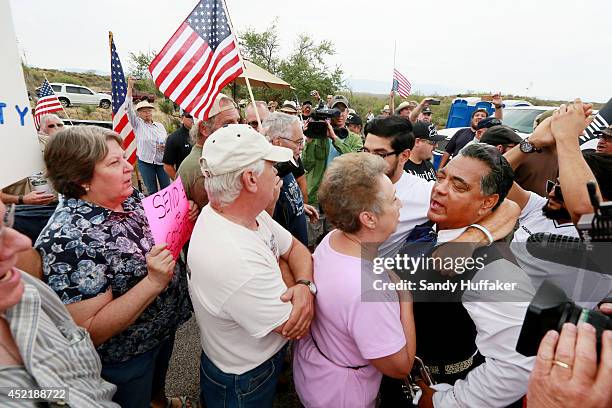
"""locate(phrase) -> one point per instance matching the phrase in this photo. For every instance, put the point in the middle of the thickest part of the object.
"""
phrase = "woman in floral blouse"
(99, 257)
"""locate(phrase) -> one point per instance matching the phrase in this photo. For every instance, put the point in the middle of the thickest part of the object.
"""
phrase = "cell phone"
(313, 93)
(434, 101)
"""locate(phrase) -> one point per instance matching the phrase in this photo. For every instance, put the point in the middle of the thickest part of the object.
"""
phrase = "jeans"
(151, 173)
(140, 377)
(253, 389)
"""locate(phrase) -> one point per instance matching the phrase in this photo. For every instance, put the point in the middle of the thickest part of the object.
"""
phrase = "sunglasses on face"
(52, 125)
(253, 124)
(550, 185)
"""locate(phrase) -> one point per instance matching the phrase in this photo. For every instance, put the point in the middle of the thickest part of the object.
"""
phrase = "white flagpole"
(246, 76)
(66, 113)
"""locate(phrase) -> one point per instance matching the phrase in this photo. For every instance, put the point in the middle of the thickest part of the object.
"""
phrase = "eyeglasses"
(550, 185)
(52, 125)
(431, 142)
(8, 220)
(379, 154)
(300, 143)
(253, 124)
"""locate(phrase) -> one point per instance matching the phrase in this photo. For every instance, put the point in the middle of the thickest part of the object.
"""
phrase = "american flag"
(199, 59)
(121, 123)
(400, 84)
(47, 103)
(602, 120)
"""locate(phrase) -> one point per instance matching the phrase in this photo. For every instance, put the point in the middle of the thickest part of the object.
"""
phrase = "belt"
(453, 368)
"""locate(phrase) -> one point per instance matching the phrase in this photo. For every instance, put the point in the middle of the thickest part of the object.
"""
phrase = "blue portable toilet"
(461, 111)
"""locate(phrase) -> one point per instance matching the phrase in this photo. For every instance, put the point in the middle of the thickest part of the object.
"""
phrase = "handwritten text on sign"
(168, 215)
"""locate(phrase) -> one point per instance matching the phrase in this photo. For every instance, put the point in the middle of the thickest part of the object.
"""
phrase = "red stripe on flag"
(194, 106)
(175, 59)
(197, 78)
(212, 90)
(222, 85)
(179, 79)
(168, 45)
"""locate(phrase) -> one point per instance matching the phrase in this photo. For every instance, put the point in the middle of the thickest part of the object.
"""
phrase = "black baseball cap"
(488, 123)
(426, 131)
(306, 103)
(354, 119)
(500, 135)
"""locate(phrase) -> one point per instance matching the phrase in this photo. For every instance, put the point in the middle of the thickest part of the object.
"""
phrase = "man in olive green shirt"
(318, 153)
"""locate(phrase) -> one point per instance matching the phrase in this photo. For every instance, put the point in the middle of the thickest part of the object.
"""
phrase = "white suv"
(69, 95)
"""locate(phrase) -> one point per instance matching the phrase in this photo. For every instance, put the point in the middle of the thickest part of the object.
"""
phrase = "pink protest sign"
(168, 215)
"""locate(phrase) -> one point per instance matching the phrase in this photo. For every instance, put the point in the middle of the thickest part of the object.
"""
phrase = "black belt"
(328, 359)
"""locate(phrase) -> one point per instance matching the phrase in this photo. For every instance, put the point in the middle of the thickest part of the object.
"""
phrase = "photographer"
(566, 373)
(567, 201)
(319, 152)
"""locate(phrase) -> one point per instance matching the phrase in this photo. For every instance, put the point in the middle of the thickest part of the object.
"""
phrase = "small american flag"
(121, 123)
(400, 84)
(47, 103)
(602, 120)
(198, 60)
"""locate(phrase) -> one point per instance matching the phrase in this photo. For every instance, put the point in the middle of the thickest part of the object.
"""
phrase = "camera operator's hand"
(569, 121)
(330, 131)
(566, 373)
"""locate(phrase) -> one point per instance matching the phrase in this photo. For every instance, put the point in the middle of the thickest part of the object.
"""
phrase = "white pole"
(246, 76)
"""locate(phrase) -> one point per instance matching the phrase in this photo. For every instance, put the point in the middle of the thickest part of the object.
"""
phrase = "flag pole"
(392, 96)
(244, 71)
(64, 110)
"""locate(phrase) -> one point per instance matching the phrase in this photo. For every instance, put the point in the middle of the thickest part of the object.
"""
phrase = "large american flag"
(198, 60)
(47, 103)
(121, 123)
(400, 84)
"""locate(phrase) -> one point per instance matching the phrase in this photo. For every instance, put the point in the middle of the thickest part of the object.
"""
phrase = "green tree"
(139, 64)
(305, 68)
(262, 48)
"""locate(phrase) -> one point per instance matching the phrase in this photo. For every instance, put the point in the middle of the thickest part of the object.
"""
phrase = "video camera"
(549, 310)
(317, 126)
(550, 307)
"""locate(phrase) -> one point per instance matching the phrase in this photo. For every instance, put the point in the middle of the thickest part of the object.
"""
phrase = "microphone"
(570, 251)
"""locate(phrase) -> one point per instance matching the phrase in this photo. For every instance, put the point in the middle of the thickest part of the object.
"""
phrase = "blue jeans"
(151, 173)
(253, 389)
(140, 377)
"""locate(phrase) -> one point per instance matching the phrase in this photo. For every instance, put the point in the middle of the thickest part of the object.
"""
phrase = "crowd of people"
(281, 263)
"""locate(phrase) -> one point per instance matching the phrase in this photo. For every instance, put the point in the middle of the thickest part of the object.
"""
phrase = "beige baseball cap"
(143, 104)
(216, 107)
(233, 147)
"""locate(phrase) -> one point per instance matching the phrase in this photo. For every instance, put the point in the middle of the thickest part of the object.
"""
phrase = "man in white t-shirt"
(566, 201)
(239, 295)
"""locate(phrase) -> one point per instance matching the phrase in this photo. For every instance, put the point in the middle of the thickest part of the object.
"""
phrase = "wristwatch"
(527, 147)
(311, 286)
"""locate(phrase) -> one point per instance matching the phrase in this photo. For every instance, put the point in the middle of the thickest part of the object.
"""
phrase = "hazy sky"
(557, 48)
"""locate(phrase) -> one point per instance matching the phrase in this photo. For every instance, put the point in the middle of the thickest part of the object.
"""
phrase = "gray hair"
(500, 177)
(224, 189)
(278, 125)
(44, 119)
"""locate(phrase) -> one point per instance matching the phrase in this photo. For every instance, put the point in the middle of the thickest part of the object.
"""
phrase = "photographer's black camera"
(549, 310)
(317, 127)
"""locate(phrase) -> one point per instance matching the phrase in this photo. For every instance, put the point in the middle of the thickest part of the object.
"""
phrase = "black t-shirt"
(298, 171)
(459, 140)
(424, 170)
(178, 146)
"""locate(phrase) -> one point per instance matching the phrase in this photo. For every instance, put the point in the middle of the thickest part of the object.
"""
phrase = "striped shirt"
(55, 352)
(150, 137)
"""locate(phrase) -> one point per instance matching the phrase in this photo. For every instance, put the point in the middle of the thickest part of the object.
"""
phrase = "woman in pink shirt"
(358, 333)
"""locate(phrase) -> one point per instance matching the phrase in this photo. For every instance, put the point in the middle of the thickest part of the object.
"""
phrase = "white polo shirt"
(415, 194)
(235, 288)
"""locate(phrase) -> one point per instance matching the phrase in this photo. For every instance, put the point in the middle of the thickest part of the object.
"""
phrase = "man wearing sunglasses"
(178, 145)
(251, 118)
(50, 124)
(566, 201)
(604, 145)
